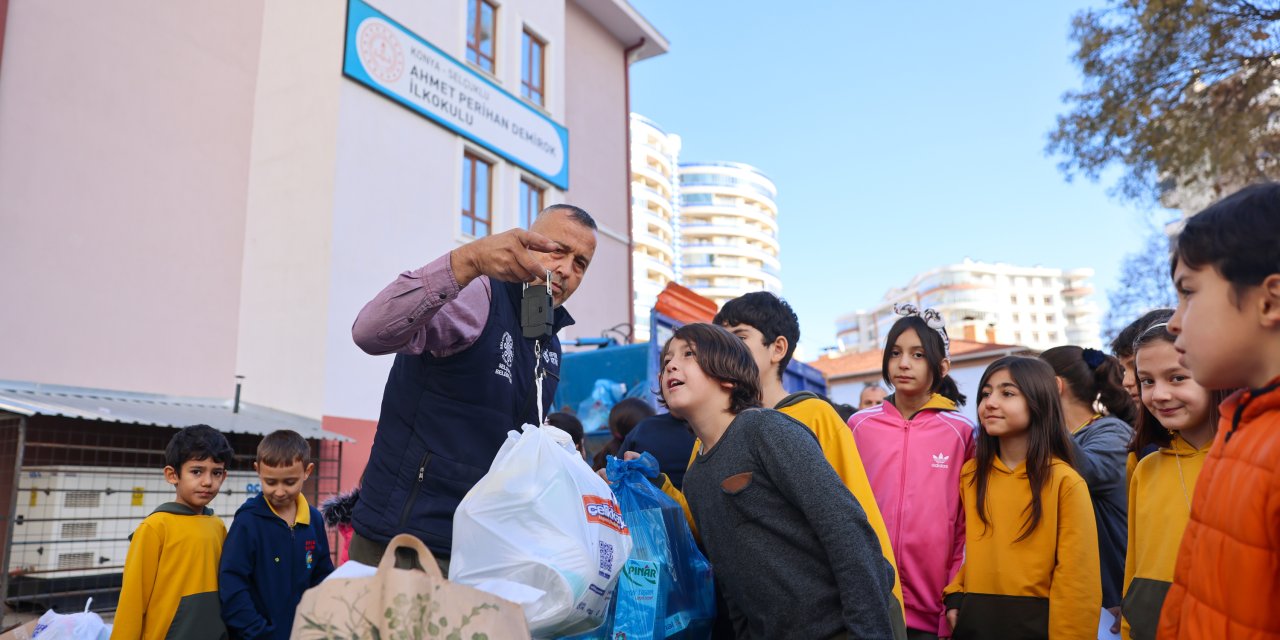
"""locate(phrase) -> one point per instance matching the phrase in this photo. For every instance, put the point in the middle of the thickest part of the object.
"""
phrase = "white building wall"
(288, 240)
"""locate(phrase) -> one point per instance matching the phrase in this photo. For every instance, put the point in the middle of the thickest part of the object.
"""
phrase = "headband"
(1158, 325)
(931, 318)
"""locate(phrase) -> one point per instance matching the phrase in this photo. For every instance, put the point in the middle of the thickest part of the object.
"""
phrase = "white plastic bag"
(74, 626)
(542, 529)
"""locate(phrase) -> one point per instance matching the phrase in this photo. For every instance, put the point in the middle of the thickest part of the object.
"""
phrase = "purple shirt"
(424, 310)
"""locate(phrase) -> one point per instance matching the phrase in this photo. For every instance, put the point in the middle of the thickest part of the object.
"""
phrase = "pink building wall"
(123, 175)
(596, 102)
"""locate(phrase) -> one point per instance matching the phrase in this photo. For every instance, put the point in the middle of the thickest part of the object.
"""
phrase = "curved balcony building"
(653, 216)
(728, 230)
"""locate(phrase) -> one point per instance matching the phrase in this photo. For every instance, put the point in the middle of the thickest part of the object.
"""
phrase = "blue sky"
(901, 137)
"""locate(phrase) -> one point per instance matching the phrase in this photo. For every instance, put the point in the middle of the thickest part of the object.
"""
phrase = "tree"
(1144, 285)
(1181, 93)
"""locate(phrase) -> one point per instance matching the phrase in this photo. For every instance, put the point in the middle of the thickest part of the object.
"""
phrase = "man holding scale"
(465, 370)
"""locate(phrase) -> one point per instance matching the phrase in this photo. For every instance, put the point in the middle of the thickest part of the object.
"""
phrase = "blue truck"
(636, 367)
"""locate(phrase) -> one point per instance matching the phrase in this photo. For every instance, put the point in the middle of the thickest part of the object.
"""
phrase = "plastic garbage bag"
(594, 411)
(666, 588)
(85, 625)
(543, 530)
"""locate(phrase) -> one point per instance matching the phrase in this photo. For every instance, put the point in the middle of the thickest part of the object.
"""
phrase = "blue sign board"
(393, 61)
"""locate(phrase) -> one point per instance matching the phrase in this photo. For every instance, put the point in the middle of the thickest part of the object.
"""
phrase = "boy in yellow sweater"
(170, 587)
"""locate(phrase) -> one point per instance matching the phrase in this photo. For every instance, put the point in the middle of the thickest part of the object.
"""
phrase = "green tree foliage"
(1144, 284)
(1180, 93)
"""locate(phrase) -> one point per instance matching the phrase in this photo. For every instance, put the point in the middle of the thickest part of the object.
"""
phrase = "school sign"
(384, 56)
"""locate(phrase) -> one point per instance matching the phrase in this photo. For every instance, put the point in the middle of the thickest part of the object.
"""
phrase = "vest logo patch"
(506, 355)
(605, 512)
(940, 461)
(551, 357)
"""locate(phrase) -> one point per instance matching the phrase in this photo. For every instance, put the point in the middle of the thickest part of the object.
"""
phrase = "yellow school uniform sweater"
(1047, 585)
(170, 586)
(1159, 506)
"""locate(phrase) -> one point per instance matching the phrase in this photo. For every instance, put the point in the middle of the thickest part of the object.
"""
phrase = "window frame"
(536, 187)
(528, 88)
(474, 30)
(468, 210)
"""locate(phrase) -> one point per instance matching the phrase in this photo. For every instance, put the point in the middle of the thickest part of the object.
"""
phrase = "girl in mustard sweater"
(1031, 566)
(1181, 418)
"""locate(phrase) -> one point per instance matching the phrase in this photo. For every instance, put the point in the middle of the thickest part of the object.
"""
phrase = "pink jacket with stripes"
(913, 465)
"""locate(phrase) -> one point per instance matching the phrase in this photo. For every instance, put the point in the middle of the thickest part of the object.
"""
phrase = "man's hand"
(952, 614)
(1115, 611)
(505, 256)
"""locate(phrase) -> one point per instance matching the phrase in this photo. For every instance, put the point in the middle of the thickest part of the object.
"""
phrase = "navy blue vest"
(444, 419)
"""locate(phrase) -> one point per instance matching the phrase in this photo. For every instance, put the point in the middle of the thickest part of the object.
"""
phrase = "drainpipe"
(626, 119)
(4, 19)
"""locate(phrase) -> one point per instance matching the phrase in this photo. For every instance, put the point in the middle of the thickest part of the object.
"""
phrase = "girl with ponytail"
(1098, 413)
(913, 446)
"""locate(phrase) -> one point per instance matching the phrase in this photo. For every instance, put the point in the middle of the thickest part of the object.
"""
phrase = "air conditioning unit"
(76, 521)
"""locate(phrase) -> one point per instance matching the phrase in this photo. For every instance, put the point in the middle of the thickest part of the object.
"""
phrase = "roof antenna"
(235, 408)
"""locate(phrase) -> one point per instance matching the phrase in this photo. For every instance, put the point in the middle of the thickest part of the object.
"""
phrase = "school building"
(191, 192)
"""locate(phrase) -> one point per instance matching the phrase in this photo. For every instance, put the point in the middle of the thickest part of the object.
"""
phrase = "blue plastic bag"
(594, 411)
(665, 589)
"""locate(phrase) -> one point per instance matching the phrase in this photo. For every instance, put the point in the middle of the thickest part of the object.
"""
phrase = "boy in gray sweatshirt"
(791, 547)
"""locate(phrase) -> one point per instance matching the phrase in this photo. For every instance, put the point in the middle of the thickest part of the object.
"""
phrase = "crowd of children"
(1143, 485)
(1139, 490)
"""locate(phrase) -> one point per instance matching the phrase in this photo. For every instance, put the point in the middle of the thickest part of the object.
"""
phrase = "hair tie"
(931, 318)
(1094, 358)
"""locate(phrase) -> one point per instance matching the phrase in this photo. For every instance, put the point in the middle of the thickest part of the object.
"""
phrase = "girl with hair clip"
(1031, 545)
(912, 446)
(1180, 417)
(1098, 412)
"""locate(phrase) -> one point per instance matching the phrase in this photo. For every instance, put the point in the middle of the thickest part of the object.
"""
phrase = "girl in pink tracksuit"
(913, 446)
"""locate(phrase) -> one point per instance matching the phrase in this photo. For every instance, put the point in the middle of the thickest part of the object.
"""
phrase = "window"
(530, 202)
(531, 74)
(480, 33)
(1048, 301)
(477, 183)
(1013, 299)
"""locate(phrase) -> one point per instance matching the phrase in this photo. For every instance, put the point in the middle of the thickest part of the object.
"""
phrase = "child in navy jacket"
(277, 547)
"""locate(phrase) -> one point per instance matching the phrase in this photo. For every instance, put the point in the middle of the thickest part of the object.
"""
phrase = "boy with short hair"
(790, 545)
(771, 330)
(1226, 269)
(170, 584)
(277, 547)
